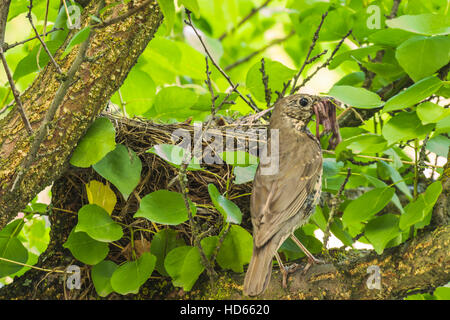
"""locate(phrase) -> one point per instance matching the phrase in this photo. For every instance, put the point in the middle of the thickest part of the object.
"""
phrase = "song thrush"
(283, 201)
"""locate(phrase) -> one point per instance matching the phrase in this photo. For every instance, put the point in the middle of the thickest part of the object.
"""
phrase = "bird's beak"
(325, 111)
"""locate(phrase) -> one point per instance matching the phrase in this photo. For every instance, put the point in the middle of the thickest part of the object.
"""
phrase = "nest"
(140, 136)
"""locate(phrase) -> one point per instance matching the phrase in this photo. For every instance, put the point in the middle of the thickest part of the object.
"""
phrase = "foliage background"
(396, 154)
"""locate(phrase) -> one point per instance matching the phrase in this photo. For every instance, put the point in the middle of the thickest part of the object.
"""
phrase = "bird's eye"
(303, 102)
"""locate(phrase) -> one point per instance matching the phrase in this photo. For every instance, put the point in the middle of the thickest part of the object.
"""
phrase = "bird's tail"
(259, 270)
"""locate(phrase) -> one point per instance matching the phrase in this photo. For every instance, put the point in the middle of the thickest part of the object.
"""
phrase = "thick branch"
(420, 265)
(112, 52)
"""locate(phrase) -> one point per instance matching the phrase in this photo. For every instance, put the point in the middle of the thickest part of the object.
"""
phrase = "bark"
(112, 51)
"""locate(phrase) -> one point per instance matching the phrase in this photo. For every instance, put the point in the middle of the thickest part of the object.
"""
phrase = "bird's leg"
(285, 271)
(311, 259)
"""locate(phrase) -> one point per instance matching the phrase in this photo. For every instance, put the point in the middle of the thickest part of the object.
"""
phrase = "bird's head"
(300, 108)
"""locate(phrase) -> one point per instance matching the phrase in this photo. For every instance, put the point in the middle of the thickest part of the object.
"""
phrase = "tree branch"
(93, 83)
(247, 101)
(247, 17)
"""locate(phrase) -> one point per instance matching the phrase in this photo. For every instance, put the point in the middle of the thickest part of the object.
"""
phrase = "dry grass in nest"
(157, 174)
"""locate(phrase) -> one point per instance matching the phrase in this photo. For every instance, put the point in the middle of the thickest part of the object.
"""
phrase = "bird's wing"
(276, 198)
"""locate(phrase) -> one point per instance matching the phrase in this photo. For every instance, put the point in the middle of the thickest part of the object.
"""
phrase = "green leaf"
(97, 223)
(364, 143)
(168, 10)
(277, 73)
(101, 195)
(86, 249)
(98, 141)
(130, 276)
(404, 126)
(174, 103)
(366, 206)
(337, 228)
(12, 229)
(35, 234)
(184, 266)
(356, 97)
(429, 112)
(442, 293)
(101, 277)
(292, 251)
(352, 79)
(432, 193)
(439, 145)
(164, 207)
(162, 243)
(174, 155)
(380, 230)
(390, 37)
(397, 179)
(78, 38)
(422, 56)
(122, 167)
(413, 94)
(418, 210)
(244, 174)
(12, 249)
(28, 64)
(236, 249)
(427, 23)
(227, 208)
(443, 126)
(138, 92)
(377, 183)
(356, 53)
(414, 213)
(238, 158)
(192, 5)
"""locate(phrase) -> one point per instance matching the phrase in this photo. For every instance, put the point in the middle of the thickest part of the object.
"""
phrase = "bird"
(283, 201)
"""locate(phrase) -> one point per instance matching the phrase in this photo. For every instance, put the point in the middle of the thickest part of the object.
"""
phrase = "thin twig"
(30, 18)
(323, 65)
(248, 102)
(247, 17)
(7, 46)
(265, 81)
(182, 177)
(311, 47)
(254, 53)
(394, 9)
(384, 159)
(43, 32)
(15, 93)
(334, 204)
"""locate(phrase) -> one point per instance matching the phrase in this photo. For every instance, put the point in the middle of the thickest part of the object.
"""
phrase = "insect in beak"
(325, 111)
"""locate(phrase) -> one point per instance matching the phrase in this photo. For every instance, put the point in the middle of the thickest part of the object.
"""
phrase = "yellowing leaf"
(101, 195)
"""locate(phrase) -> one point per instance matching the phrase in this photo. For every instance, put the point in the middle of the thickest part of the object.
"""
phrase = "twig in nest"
(234, 87)
(334, 204)
(30, 18)
(311, 47)
(265, 81)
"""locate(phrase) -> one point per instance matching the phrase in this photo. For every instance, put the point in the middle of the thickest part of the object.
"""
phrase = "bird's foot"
(312, 261)
(286, 271)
